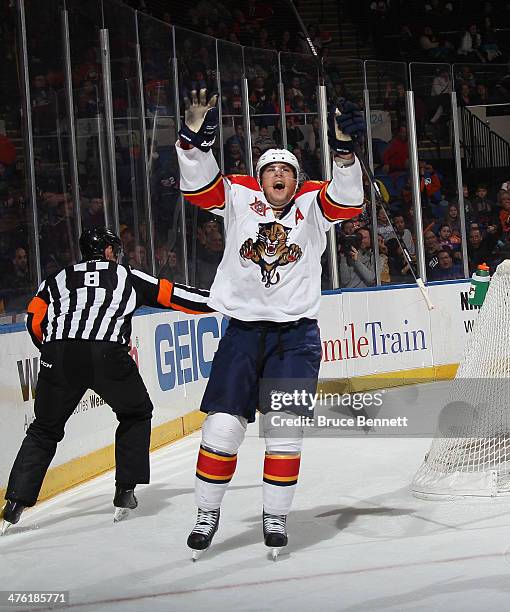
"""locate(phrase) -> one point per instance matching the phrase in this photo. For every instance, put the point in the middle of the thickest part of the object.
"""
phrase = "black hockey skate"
(124, 501)
(11, 514)
(275, 532)
(203, 532)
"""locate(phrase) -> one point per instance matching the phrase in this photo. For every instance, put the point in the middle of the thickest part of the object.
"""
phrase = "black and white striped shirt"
(95, 300)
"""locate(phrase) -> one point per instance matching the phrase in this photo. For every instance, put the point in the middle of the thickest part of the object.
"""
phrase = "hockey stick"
(364, 165)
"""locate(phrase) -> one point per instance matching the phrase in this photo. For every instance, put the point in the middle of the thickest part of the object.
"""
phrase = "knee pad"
(223, 432)
(282, 439)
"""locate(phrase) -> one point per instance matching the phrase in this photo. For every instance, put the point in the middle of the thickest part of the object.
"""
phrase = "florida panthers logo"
(270, 250)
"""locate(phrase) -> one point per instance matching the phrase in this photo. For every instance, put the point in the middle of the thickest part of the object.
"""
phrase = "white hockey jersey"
(271, 267)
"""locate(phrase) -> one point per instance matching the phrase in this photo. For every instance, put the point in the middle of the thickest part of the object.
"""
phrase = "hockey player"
(80, 320)
(269, 284)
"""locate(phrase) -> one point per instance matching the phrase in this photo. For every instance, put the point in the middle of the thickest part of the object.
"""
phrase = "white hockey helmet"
(272, 156)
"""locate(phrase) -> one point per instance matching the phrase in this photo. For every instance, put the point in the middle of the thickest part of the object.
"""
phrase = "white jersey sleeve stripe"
(144, 276)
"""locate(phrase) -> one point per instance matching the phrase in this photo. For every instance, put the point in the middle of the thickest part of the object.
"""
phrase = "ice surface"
(358, 539)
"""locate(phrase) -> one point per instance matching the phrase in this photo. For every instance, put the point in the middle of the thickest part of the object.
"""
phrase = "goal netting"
(470, 454)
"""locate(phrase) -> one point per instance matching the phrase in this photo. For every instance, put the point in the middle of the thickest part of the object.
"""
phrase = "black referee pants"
(68, 368)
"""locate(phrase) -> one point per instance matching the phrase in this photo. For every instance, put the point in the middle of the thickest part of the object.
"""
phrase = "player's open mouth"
(280, 185)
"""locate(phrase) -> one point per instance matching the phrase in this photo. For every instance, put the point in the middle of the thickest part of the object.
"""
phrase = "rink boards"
(370, 338)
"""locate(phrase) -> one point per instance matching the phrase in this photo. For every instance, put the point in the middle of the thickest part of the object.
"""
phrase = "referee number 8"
(91, 279)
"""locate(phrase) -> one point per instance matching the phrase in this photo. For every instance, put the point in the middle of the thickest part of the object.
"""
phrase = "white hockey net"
(470, 454)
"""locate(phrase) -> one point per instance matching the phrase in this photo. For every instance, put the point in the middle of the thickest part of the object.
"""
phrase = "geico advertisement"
(181, 354)
(185, 349)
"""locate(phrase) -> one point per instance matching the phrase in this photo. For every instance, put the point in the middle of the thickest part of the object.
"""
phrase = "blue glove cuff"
(206, 135)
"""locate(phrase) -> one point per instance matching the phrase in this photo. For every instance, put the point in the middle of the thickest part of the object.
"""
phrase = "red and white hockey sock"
(281, 473)
(214, 472)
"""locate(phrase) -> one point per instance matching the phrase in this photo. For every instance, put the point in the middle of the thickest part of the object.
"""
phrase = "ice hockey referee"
(80, 319)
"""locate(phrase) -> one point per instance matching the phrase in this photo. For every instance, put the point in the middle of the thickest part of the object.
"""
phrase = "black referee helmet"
(95, 240)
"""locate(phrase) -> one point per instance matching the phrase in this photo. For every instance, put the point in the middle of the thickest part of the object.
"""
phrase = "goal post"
(470, 453)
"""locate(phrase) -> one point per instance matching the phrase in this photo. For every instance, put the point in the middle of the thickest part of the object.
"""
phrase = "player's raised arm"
(342, 197)
(201, 180)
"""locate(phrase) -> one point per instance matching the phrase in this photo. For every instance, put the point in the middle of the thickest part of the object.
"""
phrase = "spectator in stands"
(470, 44)
(466, 76)
(396, 155)
(400, 270)
(468, 205)
(7, 154)
(161, 254)
(208, 224)
(167, 265)
(233, 103)
(395, 101)
(403, 233)
(88, 100)
(489, 46)
(431, 47)
(378, 18)
(286, 43)
(257, 11)
(357, 267)
(480, 250)
(88, 70)
(430, 187)
(504, 214)
(442, 83)
(263, 140)
(407, 44)
(453, 221)
(233, 154)
(43, 105)
(464, 98)
(312, 137)
(263, 40)
(58, 235)
(432, 248)
(446, 240)
(446, 269)
(138, 258)
(294, 134)
(255, 153)
(313, 164)
(238, 136)
(241, 168)
(384, 227)
(156, 97)
(481, 95)
(258, 89)
(348, 228)
(263, 105)
(18, 283)
(483, 208)
(92, 212)
(439, 101)
(384, 269)
(128, 240)
(208, 258)
(299, 106)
